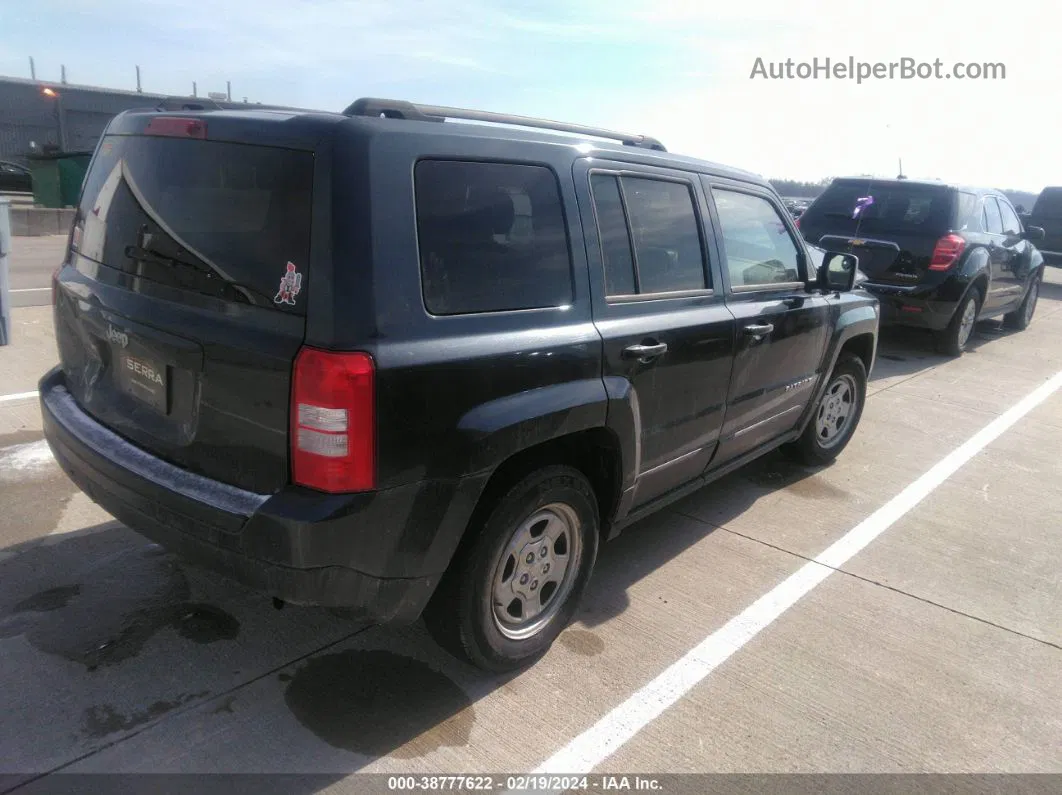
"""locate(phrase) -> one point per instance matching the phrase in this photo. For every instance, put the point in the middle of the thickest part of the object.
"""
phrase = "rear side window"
(1011, 224)
(615, 237)
(993, 220)
(227, 220)
(650, 235)
(759, 250)
(492, 237)
(967, 212)
(882, 208)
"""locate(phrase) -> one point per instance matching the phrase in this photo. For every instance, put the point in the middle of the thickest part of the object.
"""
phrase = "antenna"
(900, 175)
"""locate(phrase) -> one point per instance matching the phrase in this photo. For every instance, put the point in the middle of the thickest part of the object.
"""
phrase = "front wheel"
(836, 414)
(515, 586)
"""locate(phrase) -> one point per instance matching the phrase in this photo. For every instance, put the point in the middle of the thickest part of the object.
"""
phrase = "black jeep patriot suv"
(375, 361)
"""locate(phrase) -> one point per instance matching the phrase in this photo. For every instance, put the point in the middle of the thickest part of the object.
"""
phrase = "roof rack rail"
(400, 109)
(188, 103)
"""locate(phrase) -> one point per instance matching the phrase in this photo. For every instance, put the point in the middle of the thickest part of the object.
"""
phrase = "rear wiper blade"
(158, 258)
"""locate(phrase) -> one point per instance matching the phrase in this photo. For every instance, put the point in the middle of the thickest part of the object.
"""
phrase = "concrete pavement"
(32, 262)
(935, 649)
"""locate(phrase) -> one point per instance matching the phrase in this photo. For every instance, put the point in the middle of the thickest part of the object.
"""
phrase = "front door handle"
(759, 330)
(645, 353)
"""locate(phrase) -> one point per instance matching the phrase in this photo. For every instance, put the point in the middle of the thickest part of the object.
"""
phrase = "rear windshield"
(227, 220)
(1049, 204)
(880, 208)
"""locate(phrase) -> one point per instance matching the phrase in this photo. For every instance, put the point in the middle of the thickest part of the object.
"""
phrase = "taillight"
(946, 251)
(333, 421)
(176, 126)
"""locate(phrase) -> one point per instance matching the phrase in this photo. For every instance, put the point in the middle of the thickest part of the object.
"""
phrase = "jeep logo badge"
(116, 337)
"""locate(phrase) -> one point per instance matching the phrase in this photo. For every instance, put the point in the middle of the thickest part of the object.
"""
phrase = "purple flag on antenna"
(861, 204)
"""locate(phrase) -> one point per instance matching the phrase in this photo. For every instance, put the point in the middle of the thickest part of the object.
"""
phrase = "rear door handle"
(759, 330)
(645, 353)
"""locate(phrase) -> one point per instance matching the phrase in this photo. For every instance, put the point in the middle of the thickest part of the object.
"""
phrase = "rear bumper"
(380, 554)
(912, 306)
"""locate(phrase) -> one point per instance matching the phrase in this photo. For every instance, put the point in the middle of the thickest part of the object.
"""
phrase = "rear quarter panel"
(457, 394)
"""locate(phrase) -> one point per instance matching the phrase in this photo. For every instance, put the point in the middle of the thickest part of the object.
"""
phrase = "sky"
(679, 71)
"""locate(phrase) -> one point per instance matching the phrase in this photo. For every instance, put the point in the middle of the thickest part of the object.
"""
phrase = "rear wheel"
(952, 340)
(836, 415)
(515, 585)
(1021, 317)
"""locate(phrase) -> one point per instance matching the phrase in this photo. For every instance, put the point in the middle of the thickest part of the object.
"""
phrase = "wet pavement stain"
(123, 595)
(46, 601)
(101, 720)
(582, 642)
(377, 702)
(202, 623)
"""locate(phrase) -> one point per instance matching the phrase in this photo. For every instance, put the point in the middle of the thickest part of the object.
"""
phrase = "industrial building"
(37, 115)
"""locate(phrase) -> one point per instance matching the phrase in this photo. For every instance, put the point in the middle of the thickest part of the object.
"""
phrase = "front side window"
(492, 237)
(759, 249)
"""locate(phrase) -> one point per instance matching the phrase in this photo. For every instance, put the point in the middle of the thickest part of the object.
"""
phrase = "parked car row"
(371, 361)
(937, 256)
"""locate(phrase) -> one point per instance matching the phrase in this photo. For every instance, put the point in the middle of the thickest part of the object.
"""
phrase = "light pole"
(51, 93)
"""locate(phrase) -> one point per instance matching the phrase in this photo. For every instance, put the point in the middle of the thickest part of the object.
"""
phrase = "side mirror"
(837, 273)
(1034, 233)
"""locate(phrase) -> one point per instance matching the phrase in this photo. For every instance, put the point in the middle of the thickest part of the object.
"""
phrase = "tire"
(464, 615)
(953, 340)
(1021, 317)
(817, 445)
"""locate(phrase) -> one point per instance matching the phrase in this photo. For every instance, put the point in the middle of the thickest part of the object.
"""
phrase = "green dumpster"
(57, 177)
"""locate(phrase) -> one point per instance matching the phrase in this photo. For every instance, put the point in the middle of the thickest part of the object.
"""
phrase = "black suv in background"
(1047, 214)
(937, 256)
(374, 361)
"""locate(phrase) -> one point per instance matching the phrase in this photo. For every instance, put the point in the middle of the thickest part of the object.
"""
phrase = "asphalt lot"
(936, 648)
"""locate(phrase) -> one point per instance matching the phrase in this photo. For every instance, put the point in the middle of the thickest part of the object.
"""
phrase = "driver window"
(759, 250)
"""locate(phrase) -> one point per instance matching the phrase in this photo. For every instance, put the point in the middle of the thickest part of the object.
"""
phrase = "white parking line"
(29, 289)
(608, 735)
(18, 396)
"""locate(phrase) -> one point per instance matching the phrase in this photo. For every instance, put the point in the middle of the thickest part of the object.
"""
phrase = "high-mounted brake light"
(176, 126)
(333, 421)
(946, 252)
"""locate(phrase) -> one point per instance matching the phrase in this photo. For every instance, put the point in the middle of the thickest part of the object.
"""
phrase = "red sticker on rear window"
(290, 286)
